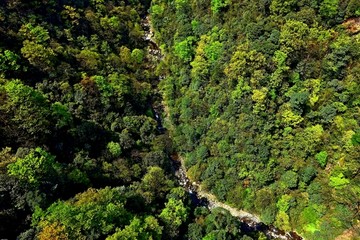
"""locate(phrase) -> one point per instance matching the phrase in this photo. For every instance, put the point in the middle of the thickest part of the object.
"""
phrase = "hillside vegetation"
(81, 153)
(264, 97)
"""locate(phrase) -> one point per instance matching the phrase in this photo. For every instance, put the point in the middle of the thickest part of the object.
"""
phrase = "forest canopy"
(80, 153)
(262, 101)
(83, 154)
(264, 97)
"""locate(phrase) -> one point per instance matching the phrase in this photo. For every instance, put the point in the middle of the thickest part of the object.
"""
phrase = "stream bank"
(249, 222)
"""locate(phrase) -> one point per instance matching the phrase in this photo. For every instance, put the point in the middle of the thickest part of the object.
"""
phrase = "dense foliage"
(80, 154)
(264, 97)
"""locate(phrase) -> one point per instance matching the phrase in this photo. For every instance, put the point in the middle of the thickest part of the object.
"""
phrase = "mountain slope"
(265, 99)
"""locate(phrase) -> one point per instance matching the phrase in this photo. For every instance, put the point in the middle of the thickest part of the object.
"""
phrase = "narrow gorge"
(199, 197)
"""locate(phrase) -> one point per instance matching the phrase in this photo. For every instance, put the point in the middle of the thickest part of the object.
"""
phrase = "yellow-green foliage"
(286, 84)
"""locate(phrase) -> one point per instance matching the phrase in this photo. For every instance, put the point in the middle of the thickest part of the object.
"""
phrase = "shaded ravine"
(249, 222)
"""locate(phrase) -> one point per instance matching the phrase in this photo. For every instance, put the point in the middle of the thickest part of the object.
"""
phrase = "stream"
(249, 222)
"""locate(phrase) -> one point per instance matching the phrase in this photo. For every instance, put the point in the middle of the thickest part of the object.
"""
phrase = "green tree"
(155, 184)
(220, 224)
(157, 9)
(283, 221)
(114, 148)
(339, 181)
(355, 139)
(283, 202)
(27, 109)
(282, 7)
(184, 49)
(137, 55)
(34, 33)
(217, 5)
(213, 50)
(88, 59)
(39, 54)
(321, 157)
(61, 113)
(329, 8)
(259, 97)
(289, 179)
(141, 229)
(35, 167)
(9, 61)
(293, 36)
(173, 215)
(308, 173)
(92, 214)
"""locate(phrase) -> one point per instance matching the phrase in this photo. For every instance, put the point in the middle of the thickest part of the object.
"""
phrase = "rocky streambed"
(250, 222)
(199, 197)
